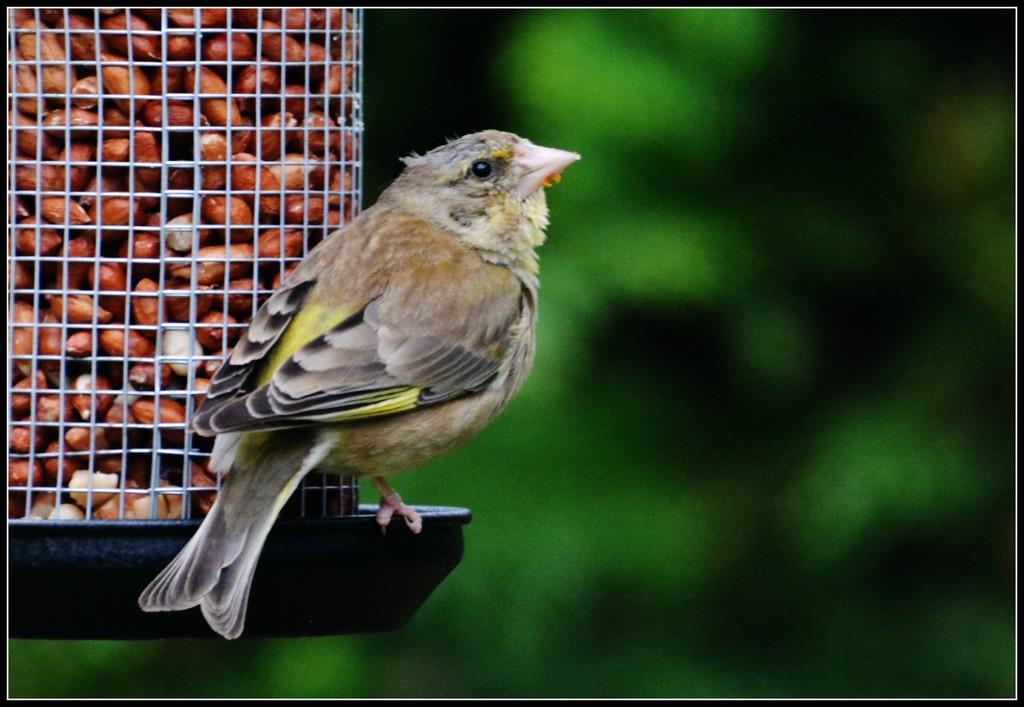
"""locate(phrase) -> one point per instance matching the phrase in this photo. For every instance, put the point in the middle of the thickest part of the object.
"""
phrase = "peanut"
(250, 16)
(222, 47)
(147, 151)
(149, 507)
(178, 297)
(145, 376)
(202, 480)
(111, 277)
(230, 212)
(50, 408)
(116, 150)
(199, 388)
(273, 127)
(280, 47)
(19, 274)
(178, 114)
(244, 183)
(124, 81)
(144, 40)
(108, 510)
(80, 344)
(89, 387)
(57, 470)
(208, 17)
(117, 422)
(115, 214)
(22, 76)
(81, 36)
(21, 402)
(178, 344)
(217, 330)
(78, 156)
(95, 487)
(23, 337)
(32, 142)
(46, 49)
(82, 439)
(214, 151)
(296, 18)
(341, 184)
(66, 511)
(297, 100)
(219, 107)
(78, 254)
(115, 122)
(85, 93)
(316, 135)
(275, 243)
(79, 309)
(299, 209)
(144, 251)
(81, 123)
(256, 80)
(102, 184)
(133, 344)
(169, 79)
(180, 179)
(145, 305)
(181, 47)
(240, 297)
(171, 416)
(209, 366)
(179, 233)
(50, 344)
(22, 472)
(61, 210)
(38, 176)
(23, 439)
(34, 239)
(212, 262)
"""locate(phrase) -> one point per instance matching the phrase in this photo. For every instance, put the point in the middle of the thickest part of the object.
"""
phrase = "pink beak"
(541, 166)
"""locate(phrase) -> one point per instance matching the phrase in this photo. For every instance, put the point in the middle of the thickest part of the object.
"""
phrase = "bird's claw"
(390, 504)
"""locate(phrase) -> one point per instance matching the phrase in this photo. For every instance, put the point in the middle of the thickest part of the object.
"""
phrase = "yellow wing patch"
(312, 320)
(385, 402)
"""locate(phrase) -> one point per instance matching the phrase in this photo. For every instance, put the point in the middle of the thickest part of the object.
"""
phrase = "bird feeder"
(167, 169)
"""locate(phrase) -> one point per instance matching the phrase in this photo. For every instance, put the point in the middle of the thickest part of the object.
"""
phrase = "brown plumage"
(397, 339)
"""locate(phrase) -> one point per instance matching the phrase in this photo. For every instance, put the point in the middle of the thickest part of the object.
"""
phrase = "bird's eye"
(481, 169)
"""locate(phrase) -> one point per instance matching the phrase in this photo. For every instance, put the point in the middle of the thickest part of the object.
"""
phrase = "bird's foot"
(390, 504)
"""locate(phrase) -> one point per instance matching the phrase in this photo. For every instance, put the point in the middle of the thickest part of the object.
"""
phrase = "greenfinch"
(397, 339)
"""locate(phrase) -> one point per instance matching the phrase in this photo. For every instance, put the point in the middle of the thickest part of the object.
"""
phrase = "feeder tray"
(315, 577)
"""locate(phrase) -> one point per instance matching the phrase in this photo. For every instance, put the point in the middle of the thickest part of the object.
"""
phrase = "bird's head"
(487, 190)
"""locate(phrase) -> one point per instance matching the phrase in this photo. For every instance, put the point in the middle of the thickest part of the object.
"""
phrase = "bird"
(397, 338)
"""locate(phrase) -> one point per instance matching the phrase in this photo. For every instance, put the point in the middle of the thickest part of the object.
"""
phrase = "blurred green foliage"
(768, 445)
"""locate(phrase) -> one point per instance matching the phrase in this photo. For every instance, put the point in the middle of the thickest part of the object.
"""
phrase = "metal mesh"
(166, 168)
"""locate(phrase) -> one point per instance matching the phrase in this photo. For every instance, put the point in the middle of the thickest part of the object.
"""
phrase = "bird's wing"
(304, 362)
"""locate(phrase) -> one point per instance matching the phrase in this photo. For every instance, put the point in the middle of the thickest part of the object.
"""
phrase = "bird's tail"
(215, 569)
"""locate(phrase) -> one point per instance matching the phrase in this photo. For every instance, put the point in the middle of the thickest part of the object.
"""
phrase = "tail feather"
(224, 606)
(215, 569)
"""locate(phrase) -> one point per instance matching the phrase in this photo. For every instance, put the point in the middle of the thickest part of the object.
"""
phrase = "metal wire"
(167, 168)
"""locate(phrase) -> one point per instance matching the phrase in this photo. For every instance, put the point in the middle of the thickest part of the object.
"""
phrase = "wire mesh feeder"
(168, 167)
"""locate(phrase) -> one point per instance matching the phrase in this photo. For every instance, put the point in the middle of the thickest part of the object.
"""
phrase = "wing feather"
(344, 375)
(390, 354)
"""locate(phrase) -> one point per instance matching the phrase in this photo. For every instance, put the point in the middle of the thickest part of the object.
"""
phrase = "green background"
(768, 445)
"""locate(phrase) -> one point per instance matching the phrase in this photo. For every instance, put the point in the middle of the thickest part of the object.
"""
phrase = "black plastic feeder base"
(316, 577)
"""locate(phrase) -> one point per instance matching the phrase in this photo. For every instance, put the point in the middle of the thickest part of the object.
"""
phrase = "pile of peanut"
(168, 168)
